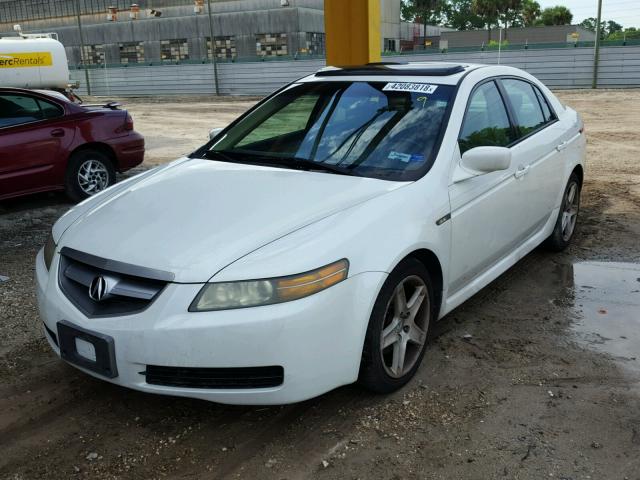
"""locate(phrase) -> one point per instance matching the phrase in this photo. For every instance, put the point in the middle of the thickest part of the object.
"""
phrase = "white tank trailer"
(28, 62)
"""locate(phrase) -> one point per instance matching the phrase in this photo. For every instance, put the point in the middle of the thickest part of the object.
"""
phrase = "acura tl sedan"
(315, 241)
(49, 143)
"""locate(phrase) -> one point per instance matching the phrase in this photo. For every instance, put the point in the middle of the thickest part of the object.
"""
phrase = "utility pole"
(213, 49)
(596, 57)
(82, 55)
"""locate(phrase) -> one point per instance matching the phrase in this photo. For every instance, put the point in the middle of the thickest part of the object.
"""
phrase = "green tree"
(428, 12)
(510, 12)
(590, 23)
(407, 12)
(489, 10)
(607, 27)
(558, 15)
(628, 34)
(459, 14)
(613, 27)
(530, 12)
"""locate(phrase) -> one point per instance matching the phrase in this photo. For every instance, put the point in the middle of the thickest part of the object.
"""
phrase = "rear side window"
(50, 110)
(486, 123)
(527, 109)
(546, 110)
(19, 109)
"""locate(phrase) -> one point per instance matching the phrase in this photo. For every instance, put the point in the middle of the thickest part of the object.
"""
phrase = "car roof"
(53, 93)
(46, 93)
(446, 73)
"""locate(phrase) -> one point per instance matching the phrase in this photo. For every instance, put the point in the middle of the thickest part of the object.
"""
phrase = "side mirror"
(481, 160)
(213, 133)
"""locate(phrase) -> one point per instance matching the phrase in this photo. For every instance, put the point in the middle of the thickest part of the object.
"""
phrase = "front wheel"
(567, 220)
(398, 328)
(89, 172)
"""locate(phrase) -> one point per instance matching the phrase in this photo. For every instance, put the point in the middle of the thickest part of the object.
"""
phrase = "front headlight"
(253, 293)
(49, 251)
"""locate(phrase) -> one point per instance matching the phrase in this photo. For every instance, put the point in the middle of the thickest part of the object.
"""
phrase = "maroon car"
(49, 143)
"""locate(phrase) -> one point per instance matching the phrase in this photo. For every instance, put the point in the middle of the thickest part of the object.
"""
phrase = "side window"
(486, 122)
(529, 116)
(50, 110)
(546, 110)
(18, 109)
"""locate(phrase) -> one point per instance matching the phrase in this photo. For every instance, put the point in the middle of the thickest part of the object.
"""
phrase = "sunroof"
(386, 69)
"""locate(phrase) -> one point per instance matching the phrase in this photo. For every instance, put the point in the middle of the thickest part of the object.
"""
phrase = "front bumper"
(317, 340)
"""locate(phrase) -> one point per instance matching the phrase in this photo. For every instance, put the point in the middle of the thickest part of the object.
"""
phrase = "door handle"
(58, 132)
(522, 171)
(562, 146)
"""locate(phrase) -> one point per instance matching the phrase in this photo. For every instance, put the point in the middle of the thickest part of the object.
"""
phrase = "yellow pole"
(352, 30)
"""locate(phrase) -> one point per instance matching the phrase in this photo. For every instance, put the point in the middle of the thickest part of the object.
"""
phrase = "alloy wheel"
(404, 331)
(93, 177)
(570, 211)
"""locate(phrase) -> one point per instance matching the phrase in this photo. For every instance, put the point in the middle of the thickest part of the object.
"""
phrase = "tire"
(379, 370)
(563, 232)
(94, 163)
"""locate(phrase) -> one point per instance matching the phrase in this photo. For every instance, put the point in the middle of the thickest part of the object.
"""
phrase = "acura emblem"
(98, 288)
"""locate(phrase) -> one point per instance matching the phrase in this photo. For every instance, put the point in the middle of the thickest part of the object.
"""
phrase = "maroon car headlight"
(49, 251)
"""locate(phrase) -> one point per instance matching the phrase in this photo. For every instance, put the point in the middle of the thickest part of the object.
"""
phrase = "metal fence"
(559, 69)
(21, 10)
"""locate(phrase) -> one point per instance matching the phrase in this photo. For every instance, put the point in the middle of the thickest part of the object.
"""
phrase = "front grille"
(128, 289)
(215, 378)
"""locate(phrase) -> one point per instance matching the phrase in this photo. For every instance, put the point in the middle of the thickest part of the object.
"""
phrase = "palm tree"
(489, 10)
(509, 11)
(530, 12)
(558, 15)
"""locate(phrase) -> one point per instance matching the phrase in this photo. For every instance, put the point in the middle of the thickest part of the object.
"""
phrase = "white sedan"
(314, 241)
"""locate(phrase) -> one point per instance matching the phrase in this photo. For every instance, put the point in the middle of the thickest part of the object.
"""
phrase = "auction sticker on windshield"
(410, 87)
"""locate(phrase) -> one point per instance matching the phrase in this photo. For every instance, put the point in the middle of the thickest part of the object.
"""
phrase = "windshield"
(374, 129)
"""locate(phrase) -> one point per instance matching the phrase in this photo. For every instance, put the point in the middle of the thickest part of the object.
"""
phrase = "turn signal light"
(309, 283)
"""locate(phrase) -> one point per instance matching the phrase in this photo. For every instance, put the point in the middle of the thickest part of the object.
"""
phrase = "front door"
(33, 135)
(488, 212)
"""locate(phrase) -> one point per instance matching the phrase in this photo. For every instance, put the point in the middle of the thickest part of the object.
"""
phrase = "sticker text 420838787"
(410, 87)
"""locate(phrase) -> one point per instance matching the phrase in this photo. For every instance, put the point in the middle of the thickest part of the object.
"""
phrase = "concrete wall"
(558, 68)
(169, 8)
(546, 34)
(242, 25)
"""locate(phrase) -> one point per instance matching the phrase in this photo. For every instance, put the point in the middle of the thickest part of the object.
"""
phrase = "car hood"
(198, 217)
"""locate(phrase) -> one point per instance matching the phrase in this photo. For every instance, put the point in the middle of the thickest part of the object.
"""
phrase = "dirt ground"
(535, 377)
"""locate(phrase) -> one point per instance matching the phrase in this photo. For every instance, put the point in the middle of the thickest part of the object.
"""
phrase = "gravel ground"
(535, 377)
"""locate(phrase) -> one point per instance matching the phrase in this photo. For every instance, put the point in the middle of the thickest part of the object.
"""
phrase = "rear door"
(539, 148)
(34, 136)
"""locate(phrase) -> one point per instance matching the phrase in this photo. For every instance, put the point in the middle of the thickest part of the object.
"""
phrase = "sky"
(625, 12)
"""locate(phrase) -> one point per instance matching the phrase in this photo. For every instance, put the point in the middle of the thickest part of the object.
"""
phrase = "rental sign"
(26, 59)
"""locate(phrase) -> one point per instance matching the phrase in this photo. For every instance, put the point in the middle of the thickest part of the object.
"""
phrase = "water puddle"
(607, 304)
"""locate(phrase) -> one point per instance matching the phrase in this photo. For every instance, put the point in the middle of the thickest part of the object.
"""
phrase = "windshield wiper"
(219, 155)
(294, 163)
(304, 164)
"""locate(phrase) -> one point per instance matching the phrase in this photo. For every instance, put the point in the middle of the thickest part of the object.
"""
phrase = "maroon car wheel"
(89, 172)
